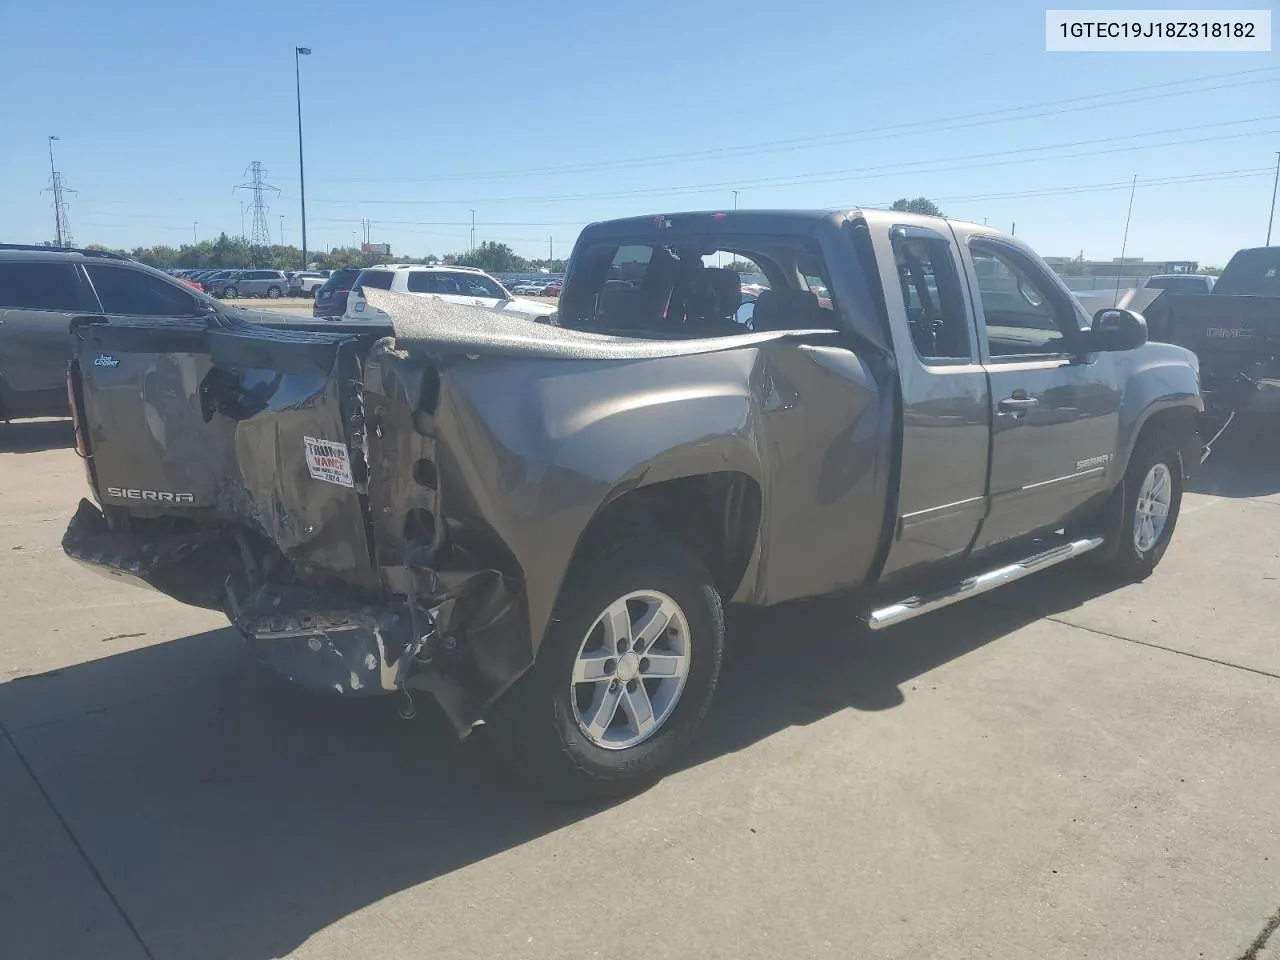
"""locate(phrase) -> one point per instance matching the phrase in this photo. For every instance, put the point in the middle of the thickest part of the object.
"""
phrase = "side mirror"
(1115, 328)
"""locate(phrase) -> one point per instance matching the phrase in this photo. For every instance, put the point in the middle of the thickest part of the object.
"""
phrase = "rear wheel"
(625, 674)
(273, 292)
(1151, 499)
(230, 292)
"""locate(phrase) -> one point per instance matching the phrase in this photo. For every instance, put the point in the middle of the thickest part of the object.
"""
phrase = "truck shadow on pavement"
(234, 816)
(1245, 463)
(32, 436)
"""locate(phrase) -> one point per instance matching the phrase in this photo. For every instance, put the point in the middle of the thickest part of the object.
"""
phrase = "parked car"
(1235, 332)
(252, 283)
(42, 289)
(213, 282)
(552, 289)
(541, 525)
(304, 283)
(331, 296)
(1179, 284)
(529, 287)
(465, 285)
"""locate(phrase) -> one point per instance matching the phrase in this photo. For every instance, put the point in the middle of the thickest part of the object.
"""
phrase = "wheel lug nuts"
(622, 646)
(610, 666)
(613, 685)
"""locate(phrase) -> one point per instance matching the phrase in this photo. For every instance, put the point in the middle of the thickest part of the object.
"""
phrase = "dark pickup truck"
(1235, 331)
(540, 525)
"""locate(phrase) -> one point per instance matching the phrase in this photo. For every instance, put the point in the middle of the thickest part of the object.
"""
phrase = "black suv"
(43, 288)
(331, 296)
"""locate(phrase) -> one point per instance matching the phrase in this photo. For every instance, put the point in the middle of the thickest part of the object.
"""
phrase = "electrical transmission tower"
(260, 238)
(62, 220)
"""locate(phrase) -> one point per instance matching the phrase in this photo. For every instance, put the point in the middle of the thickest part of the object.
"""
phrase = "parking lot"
(1058, 770)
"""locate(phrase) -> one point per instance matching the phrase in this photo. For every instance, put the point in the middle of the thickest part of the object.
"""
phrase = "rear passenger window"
(378, 279)
(932, 293)
(137, 294)
(39, 286)
(420, 281)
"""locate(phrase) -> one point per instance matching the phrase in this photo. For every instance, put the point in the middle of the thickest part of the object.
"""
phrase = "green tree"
(918, 205)
(742, 266)
(492, 257)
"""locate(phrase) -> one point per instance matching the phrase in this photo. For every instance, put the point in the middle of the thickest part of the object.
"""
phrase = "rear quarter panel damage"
(527, 453)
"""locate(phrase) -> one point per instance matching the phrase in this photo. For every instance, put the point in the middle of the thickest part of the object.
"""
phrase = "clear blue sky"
(416, 114)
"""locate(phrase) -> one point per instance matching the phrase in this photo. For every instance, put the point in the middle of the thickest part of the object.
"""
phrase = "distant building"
(1128, 267)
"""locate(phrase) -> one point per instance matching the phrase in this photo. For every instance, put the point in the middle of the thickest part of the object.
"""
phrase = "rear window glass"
(38, 286)
(1176, 285)
(1252, 273)
(378, 279)
(698, 287)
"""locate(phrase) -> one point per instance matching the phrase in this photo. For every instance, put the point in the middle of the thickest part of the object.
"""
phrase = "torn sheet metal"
(425, 325)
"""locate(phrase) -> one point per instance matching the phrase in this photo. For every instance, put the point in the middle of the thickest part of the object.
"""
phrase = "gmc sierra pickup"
(1235, 331)
(540, 525)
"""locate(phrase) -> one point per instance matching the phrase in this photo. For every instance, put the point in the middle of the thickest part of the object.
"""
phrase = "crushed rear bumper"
(324, 637)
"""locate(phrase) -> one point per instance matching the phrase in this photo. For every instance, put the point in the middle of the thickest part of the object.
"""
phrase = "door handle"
(1017, 404)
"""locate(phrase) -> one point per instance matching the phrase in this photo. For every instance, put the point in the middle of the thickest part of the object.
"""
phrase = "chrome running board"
(972, 586)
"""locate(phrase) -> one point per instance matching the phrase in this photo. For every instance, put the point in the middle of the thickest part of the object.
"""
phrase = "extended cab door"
(1054, 413)
(945, 404)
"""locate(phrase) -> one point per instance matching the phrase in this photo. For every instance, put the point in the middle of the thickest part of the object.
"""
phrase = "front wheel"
(625, 674)
(1152, 499)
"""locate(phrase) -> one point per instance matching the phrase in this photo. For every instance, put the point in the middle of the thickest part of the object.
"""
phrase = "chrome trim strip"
(916, 514)
(1080, 474)
(973, 586)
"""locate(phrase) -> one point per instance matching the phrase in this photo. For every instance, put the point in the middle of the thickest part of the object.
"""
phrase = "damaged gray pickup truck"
(539, 525)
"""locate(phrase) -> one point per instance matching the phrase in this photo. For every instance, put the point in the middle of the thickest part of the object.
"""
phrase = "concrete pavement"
(1061, 770)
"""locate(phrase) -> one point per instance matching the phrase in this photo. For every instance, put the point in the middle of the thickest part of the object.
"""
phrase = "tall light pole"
(282, 229)
(298, 53)
(1276, 183)
(735, 199)
(194, 224)
(473, 229)
(53, 177)
(241, 219)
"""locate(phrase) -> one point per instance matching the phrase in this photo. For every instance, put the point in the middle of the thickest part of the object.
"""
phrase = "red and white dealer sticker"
(328, 461)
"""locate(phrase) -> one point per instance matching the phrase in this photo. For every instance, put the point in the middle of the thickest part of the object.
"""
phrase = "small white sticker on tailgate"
(328, 461)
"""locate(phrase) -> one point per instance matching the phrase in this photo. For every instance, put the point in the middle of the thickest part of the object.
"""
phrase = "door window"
(138, 294)
(39, 286)
(935, 304)
(1024, 314)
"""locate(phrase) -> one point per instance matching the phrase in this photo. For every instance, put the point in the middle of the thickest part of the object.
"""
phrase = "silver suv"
(254, 283)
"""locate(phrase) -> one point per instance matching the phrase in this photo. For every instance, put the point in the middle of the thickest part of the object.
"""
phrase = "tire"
(273, 292)
(544, 723)
(230, 293)
(1138, 550)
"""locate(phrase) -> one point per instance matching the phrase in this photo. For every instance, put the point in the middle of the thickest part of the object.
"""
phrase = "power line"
(1178, 180)
(865, 173)
(935, 125)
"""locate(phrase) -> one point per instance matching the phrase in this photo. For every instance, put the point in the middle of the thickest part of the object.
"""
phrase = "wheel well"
(717, 515)
(1178, 424)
